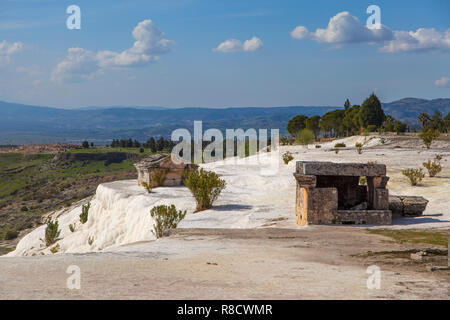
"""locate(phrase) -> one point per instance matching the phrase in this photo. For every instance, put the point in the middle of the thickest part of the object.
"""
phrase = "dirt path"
(312, 263)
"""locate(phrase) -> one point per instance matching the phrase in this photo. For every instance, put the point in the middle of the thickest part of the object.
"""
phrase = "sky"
(212, 53)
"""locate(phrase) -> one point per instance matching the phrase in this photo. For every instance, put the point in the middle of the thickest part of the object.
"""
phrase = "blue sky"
(221, 53)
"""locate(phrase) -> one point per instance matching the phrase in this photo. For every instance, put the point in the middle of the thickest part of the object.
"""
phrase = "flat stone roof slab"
(316, 168)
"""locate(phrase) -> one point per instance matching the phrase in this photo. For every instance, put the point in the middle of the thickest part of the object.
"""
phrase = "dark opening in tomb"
(350, 193)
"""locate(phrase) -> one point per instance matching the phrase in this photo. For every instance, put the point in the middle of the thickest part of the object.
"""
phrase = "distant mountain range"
(24, 124)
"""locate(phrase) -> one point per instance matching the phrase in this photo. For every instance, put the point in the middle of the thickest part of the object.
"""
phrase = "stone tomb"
(330, 193)
(159, 170)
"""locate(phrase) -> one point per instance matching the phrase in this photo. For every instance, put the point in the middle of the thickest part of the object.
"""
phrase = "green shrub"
(85, 213)
(340, 145)
(166, 218)
(359, 147)
(429, 136)
(205, 186)
(55, 249)
(147, 186)
(24, 209)
(371, 128)
(414, 175)
(11, 234)
(304, 137)
(72, 227)
(90, 240)
(51, 233)
(287, 157)
(433, 167)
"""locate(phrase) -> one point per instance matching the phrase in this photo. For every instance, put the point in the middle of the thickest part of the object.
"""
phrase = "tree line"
(357, 119)
(153, 144)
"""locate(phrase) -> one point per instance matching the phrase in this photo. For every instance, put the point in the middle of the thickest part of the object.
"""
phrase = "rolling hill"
(24, 124)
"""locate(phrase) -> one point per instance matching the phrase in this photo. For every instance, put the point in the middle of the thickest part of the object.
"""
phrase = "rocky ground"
(320, 262)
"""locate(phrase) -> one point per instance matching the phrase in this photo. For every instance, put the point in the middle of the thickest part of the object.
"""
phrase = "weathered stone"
(381, 199)
(161, 170)
(407, 205)
(361, 206)
(395, 205)
(414, 206)
(378, 217)
(305, 181)
(316, 205)
(340, 169)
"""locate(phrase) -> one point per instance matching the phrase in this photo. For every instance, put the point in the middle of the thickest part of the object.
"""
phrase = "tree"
(85, 145)
(160, 144)
(389, 123)
(447, 122)
(296, 124)
(437, 122)
(313, 124)
(151, 144)
(399, 126)
(332, 122)
(371, 112)
(351, 121)
(347, 104)
(423, 119)
(305, 137)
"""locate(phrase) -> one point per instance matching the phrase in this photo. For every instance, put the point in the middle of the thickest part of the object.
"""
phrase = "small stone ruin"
(331, 193)
(160, 170)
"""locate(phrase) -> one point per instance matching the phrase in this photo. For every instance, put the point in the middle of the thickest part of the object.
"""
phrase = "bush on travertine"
(166, 218)
(433, 167)
(414, 175)
(51, 233)
(205, 186)
(340, 145)
(84, 213)
(287, 157)
(429, 136)
(359, 147)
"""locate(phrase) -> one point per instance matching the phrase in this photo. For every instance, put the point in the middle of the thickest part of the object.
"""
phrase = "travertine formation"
(160, 170)
(330, 193)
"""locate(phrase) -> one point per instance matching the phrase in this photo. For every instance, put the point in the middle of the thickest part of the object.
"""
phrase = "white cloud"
(421, 40)
(7, 49)
(234, 45)
(81, 64)
(343, 28)
(442, 82)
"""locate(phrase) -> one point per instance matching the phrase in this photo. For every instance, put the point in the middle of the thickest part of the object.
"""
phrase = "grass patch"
(437, 238)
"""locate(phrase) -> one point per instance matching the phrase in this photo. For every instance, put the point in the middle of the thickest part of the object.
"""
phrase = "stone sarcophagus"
(331, 193)
(160, 170)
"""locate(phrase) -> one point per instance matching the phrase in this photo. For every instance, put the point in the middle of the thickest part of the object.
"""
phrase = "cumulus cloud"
(234, 45)
(442, 82)
(421, 40)
(344, 28)
(81, 64)
(7, 49)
